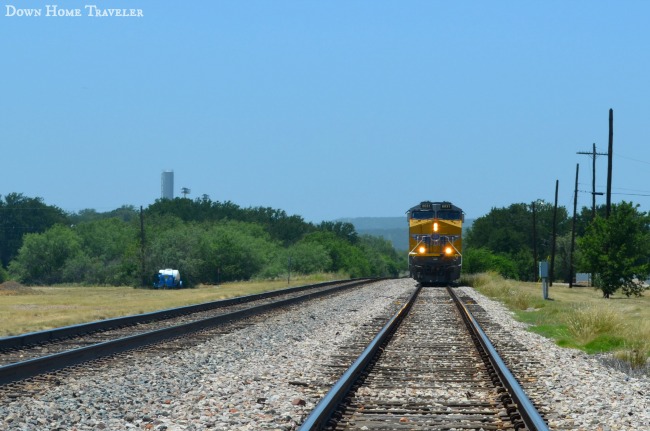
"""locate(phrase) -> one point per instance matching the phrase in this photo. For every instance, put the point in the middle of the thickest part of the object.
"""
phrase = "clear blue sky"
(325, 109)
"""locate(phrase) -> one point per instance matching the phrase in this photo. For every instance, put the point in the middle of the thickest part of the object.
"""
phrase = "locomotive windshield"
(423, 215)
(442, 215)
(449, 215)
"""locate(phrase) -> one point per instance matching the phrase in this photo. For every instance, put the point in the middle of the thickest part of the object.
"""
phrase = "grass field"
(577, 317)
(27, 309)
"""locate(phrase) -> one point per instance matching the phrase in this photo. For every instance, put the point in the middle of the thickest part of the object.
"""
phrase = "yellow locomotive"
(435, 242)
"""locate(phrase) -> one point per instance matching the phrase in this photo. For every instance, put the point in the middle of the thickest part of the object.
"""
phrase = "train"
(435, 242)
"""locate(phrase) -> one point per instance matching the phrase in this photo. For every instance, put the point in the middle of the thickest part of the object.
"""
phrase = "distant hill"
(394, 229)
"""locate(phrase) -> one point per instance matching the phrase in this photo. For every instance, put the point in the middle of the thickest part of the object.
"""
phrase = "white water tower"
(167, 185)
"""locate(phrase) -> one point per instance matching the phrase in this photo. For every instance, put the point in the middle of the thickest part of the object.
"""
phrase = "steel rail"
(56, 334)
(529, 414)
(23, 370)
(324, 410)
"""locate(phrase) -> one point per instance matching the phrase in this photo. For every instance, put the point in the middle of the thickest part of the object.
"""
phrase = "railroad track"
(32, 354)
(430, 367)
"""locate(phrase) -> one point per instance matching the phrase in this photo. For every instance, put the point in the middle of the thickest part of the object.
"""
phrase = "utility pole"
(593, 154)
(552, 273)
(144, 279)
(573, 228)
(609, 162)
(289, 272)
(534, 243)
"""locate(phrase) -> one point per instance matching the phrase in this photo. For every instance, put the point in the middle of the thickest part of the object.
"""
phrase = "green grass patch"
(557, 332)
(604, 343)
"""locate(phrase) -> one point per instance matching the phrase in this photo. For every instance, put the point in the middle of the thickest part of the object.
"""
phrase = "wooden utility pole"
(535, 269)
(573, 227)
(144, 279)
(610, 152)
(289, 272)
(593, 155)
(551, 272)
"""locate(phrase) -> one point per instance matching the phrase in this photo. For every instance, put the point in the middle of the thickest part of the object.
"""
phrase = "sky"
(324, 109)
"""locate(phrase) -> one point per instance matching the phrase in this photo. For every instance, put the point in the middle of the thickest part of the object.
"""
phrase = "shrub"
(484, 260)
(43, 255)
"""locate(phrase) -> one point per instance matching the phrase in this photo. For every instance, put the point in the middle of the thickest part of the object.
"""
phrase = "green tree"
(300, 258)
(4, 275)
(282, 227)
(344, 256)
(563, 258)
(125, 213)
(20, 215)
(343, 230)
(617, 250)
(289, 229)
(106, 244)
(236, 251)
(208, 251)
(477, 260)
(508, 232)
(206, 241)
(585, 216)
(185, 209)
(43, 256)
(383, 258)
(178, 248)
(308, 258)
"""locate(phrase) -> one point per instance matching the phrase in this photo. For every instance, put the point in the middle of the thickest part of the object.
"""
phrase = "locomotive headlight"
(435, 226)
(449, 251)
(422, 249)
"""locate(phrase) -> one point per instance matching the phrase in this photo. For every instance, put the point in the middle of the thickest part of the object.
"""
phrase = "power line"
(630, 158)
(600, 186)
(631, 194)
(619, 193)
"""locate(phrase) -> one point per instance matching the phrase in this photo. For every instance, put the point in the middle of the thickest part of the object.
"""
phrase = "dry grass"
(32, 309)
(506, 291)
(585, 322)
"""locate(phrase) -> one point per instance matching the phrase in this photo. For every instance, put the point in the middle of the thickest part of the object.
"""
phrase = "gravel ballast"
(269, 375)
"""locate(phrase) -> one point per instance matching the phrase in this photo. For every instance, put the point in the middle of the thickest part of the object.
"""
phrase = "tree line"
(208, 242)
(614, 249)
(213, 242)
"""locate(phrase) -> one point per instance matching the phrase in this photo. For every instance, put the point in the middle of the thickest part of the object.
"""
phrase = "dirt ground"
(15, 288)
